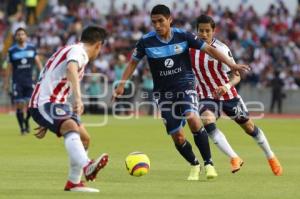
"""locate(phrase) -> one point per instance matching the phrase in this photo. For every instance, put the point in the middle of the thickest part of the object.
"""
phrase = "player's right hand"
(220, 91)
(117, 93)
(78, 107)
(242, 68)
(41, 132)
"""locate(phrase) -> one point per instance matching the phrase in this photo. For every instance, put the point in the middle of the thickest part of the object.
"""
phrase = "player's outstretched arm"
(72, 77)
(221, 57)
(131, 66)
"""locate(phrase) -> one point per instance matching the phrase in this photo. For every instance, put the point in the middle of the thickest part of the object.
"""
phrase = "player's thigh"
(188, 107)
(84, 136)
(68, 125)
(172, 121)
(170, 114)
(236, 110)
(194, 121)
(60, 118)
(27, 91)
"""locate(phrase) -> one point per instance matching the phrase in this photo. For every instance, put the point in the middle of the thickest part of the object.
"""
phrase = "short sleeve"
(194, 41)
(75, 55)
(228, 55)
(139, 51)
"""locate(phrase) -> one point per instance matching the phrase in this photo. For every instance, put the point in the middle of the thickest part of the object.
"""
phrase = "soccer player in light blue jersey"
(167, 51)
(22, 59)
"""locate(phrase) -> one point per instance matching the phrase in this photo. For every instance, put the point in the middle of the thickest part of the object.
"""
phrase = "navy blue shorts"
(174, 106)
(21, 92)
(52, 115)
(234, 108)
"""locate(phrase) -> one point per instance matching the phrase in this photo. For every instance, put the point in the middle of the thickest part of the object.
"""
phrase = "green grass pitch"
(37, 169)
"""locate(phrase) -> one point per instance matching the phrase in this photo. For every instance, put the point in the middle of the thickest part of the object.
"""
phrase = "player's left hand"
(78, 107)
(41, 132)
(220, 91)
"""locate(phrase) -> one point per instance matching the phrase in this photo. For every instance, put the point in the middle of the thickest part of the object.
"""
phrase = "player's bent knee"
(178, 138)
(208, 117)
(67, 126)
(248, 127)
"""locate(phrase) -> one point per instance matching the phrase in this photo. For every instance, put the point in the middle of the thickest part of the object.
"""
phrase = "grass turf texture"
(37, 169)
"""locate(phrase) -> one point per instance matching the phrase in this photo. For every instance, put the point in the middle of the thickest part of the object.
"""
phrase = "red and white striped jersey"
(211, 73)
(53, 85)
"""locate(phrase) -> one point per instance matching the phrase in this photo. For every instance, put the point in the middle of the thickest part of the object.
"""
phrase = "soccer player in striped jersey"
(215, 87)
(49, 108)
(167, 52)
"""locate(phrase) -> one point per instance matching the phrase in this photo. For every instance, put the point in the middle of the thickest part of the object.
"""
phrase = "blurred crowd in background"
(269, 43)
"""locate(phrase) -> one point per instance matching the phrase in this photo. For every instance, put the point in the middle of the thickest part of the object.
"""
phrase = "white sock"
(263, 143)
(75, 173)
(77, 155)
(220, 140)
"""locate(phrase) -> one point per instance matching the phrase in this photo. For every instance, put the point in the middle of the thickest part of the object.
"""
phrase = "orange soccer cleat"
(275, 166)
(236, 164)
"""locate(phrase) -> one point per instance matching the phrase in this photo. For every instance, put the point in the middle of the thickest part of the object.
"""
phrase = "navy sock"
(186, 151)
(20, 118)
(201, 141)
(26, 122)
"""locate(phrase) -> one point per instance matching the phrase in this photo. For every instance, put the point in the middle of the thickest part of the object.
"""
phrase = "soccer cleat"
(236, 164)
(27, 127)
(210, 171)
(275, 166)
(93, 167)
(195, 172)
(80, 187)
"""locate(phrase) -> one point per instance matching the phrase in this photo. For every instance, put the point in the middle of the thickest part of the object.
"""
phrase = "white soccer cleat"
(194, 173)
(93, 167)
(80, 187)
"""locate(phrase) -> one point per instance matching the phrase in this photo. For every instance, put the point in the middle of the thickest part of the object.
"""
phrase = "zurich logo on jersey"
(24, 61)
(169, 63)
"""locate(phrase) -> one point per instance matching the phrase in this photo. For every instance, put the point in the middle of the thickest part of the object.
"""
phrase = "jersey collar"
(164, 41)
(21, 48)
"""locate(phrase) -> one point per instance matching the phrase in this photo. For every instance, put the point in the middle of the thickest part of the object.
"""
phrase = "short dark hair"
(20, 29)
(93, 34)
(206, 19)
(161, 9)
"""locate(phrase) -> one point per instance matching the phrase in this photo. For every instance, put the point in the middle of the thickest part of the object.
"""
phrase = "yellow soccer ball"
(137, 164)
